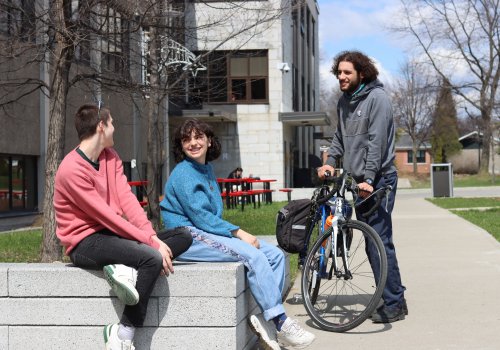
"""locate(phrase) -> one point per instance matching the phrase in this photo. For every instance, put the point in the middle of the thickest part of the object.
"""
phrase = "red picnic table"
(247, 193)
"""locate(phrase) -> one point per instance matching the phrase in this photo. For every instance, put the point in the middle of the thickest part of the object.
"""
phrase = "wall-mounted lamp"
(284, 67)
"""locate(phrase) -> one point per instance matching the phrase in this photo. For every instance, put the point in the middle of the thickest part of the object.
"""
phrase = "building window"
(18, 187)
(420, 156)
(233, 77)
(313, 33)
(114, 41)
(17, 19)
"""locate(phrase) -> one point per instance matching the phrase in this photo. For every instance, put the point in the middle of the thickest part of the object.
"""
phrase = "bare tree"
(461, 36)
(170, 64)
(412, 99)
(97, 45)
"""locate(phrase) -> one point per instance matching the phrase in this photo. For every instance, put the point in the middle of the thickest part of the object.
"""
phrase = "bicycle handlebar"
(379, 195)
(346, 182)
(327, 180)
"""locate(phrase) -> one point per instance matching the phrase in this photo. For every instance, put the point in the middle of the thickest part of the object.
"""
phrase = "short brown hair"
(86, 119)
(184, 132)
(362, 64)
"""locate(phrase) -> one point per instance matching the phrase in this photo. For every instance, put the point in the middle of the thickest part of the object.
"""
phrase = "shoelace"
(127, 345)
(295, 329)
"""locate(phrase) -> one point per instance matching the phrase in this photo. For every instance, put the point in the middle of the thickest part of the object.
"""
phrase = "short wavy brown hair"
(184, 132)
(362, 64)
(86, 119)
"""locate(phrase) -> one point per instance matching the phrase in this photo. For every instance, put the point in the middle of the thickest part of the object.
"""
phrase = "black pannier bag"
(291, 222)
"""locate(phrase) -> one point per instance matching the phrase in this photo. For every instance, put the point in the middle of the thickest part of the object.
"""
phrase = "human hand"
(166, 254)
(247, 238)
(321, 170)
(365, 189)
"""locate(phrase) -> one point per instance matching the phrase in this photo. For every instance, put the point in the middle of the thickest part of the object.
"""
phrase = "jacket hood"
(365, 91)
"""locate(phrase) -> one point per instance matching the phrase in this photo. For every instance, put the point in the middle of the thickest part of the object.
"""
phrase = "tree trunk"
(414, 159)
(154, 134)
(485, 147)
(51, 248)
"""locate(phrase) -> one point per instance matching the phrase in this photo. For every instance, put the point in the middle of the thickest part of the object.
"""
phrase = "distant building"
(469, 159)
(404, 155)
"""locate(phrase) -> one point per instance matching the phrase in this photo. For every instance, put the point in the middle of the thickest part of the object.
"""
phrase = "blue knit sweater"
(192, 198)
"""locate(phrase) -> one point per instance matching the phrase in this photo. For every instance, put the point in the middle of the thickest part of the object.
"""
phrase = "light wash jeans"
(265, 267)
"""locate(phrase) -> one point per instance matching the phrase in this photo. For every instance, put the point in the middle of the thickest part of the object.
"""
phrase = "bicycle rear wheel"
(339, 299)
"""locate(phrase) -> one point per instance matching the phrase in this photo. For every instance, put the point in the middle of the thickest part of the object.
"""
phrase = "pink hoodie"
(87, 201)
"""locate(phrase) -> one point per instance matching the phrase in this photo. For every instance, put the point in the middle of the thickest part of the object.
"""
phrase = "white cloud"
(360, 25)
(361, 18)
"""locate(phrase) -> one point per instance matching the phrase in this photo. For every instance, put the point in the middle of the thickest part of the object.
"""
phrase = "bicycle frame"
(334, 207)
(338, 206)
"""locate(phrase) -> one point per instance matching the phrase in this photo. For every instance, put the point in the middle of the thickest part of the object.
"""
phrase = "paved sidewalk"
(451, 269)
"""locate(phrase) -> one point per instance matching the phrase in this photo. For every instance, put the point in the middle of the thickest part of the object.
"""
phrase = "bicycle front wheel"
(339, 287)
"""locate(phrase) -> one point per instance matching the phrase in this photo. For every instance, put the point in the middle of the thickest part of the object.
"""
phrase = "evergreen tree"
(444, 139)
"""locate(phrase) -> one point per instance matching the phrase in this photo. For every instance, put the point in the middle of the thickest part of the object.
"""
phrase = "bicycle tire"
(313, 233)
(336, 303)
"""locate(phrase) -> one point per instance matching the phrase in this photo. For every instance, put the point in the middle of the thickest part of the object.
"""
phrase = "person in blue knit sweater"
(192, 200)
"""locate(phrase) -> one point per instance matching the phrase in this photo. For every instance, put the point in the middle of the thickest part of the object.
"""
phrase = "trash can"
(442, 180)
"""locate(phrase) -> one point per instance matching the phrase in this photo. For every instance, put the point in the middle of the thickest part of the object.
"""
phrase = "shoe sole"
(106, 332)
(289, 345)
(256, 329)
(405, 309)
(390, 320)
(127, 295)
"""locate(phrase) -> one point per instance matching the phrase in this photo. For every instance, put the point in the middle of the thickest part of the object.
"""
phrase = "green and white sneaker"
(112, 341)
(122, 280)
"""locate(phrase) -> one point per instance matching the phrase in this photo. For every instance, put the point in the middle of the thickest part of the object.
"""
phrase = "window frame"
(421, 156)
(225, 76)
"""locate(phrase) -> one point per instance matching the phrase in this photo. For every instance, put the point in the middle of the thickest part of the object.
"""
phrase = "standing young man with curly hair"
(365, 139)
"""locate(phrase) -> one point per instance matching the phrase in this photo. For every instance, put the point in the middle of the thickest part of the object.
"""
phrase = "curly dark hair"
(362, 64)
(184, 132)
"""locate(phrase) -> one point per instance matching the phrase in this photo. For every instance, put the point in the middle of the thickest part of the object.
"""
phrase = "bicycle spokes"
(341, 287)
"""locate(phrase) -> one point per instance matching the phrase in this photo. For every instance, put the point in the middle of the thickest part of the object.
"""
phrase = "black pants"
(104, 248)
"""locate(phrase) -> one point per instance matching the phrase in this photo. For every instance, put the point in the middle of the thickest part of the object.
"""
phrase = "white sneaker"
(292, 334)
(112, 341)
(122, 280)
(265, 331)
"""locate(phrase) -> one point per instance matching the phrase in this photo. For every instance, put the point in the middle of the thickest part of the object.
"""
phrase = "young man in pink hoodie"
(102, 225)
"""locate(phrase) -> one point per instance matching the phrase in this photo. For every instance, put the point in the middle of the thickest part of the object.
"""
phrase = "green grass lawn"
(487, 219)
(459, 180)
(259, 221)
(459, 202)
(21, 246)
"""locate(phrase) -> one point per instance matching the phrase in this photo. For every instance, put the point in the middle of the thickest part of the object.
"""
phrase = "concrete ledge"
(59, 306)
(89, 338)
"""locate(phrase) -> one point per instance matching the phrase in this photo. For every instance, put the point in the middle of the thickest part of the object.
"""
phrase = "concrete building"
(266, 101)
(260, 92)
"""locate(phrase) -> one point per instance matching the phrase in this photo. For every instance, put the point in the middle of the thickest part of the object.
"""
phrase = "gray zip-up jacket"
(365, 133)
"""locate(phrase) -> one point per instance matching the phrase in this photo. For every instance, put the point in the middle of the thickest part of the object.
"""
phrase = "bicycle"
(339, 288)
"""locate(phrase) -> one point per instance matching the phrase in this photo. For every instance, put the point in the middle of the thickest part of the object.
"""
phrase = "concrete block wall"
(59, 306)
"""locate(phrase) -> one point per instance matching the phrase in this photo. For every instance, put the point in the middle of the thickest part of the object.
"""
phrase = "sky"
(360, 25)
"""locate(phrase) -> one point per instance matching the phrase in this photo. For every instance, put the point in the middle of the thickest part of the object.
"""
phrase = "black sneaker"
(403, 305)
(389, 314)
